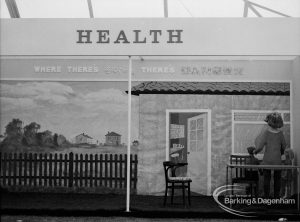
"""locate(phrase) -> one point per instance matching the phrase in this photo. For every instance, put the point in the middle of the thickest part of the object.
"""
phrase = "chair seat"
(180, 179)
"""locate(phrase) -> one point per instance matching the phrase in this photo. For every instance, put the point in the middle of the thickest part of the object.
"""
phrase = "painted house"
(203, 122)
(112, 139)
(83, 138)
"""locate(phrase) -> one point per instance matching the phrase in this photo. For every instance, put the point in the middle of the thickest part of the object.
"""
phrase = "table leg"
(226, 176)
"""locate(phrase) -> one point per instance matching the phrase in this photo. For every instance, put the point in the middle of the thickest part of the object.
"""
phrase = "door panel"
(197, 153)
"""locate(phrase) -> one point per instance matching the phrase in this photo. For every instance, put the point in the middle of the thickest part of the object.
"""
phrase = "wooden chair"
(174, 182)
(241, 175)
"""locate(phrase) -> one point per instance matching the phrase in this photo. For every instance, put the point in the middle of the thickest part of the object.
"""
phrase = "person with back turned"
(272, 139)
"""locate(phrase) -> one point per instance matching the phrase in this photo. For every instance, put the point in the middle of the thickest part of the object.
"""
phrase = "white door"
(197, 153)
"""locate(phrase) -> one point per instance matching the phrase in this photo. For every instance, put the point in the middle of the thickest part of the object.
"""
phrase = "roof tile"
(239, 88)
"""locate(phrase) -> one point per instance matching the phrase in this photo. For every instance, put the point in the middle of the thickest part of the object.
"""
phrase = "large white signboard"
(225, 36)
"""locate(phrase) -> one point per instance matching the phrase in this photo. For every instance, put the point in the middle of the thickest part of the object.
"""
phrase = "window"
(246, 125)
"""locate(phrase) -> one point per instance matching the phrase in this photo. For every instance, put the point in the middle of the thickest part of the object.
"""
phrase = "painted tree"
(30, 134)
(14, 129)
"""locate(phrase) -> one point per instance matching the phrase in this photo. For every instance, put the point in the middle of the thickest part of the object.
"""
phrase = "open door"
(197, 148)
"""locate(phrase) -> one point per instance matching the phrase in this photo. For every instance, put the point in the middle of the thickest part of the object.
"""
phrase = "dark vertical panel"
(121, 170)
(81, 170)
(25, 169)
(86, 170)
(76, 173)
(91, 170)
(35, 175)
(30, 159)
(40, 161)
(116, 171)
(15, 169)
(66, 171)
(96, 171)
(9, 161)
(106, 170)
(101, 169)
(45, 170)
(55, 169)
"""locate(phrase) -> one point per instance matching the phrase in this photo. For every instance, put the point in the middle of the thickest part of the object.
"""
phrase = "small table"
(265, 167)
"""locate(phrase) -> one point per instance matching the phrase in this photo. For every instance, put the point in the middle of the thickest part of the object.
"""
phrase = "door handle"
(188, 152)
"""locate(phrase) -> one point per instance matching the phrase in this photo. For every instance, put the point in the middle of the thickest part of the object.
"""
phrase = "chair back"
(167, 166)
(241, 160)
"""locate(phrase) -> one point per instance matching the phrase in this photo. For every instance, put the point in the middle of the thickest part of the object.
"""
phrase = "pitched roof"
(235, 88)
(85, 135)
(112, 134)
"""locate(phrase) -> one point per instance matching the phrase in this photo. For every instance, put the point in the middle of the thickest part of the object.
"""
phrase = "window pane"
(244, 136)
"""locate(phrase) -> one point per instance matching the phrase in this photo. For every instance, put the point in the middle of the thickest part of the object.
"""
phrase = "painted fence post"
(71, 169)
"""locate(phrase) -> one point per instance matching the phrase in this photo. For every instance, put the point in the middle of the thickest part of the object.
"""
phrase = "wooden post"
(4, 168)
(131, 165)
(110, 170)
(25, 169)
(9, 177)
(81, 169)
(20, 168)
(96, 171)
(55, 171)
(30, 169)
(135, 170)
(86, 169)
(120, 170)
(40, 169)
(105, 168)
(60, 174)
(126, 175)
(70, 170)
(101, 169)
(15, 169)
(66, 171)
(116, 170)
(35, 176)
(76, 173)
(91, 170)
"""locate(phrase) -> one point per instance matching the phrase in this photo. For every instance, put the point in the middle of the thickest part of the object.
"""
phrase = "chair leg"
(172, 197)
(183, 194)
(189, 193)
(165, 198)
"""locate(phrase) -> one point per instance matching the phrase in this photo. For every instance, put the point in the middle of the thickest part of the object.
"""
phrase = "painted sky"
(70, 108)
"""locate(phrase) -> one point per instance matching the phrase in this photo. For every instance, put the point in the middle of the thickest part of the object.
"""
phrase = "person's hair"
(274, 120)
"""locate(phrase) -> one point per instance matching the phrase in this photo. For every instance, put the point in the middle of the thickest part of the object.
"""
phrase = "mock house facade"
(83, 138)
(201, 123)
(112, 139)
